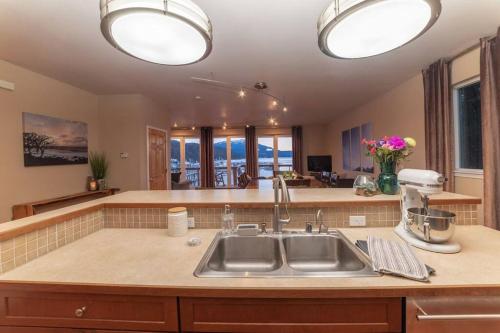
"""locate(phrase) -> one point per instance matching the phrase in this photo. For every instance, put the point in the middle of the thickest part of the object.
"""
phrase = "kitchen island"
(109, 265)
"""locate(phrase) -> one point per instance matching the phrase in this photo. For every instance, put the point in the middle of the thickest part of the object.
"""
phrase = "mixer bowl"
(437, 226)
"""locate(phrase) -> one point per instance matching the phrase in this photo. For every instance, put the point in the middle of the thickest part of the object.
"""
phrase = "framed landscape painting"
(53, 141)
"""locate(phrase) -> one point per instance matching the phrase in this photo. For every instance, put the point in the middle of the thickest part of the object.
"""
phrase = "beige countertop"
(149, 258)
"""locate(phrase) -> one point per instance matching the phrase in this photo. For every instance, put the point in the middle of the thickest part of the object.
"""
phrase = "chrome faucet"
(322, 225)
(285, 199)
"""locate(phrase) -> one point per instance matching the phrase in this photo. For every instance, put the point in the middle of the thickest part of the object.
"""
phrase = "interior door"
(157, 159)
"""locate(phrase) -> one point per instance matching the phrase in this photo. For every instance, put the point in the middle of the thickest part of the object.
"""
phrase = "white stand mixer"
(420, 226)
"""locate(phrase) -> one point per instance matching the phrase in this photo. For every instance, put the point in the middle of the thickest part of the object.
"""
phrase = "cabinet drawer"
(18, 329)
(289, 315)
(467, 314)
(89, 311)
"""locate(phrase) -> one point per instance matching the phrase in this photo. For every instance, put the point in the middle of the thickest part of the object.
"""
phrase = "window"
(265, 156)
(175, 154)
(468, 130)
(238, 158)
(229, 160)
(285, 153)
(192, 160)
(185, 158)
(220, 162)
(275, 153)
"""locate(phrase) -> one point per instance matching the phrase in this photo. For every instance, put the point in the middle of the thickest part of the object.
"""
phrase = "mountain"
(237, 150)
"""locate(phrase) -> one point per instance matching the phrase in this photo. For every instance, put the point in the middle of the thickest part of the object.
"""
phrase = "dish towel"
(396, 258)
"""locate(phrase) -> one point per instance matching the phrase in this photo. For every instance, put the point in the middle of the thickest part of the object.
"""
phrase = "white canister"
(177, 221)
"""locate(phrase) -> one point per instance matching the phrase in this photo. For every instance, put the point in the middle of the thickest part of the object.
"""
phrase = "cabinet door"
(10, 329)
(466, 314)
(290, 315)
(115, 312)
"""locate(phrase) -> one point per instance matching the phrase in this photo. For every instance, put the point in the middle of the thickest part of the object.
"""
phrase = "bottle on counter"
(227, 220)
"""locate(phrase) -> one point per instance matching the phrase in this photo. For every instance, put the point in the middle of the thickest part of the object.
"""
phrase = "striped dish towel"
(396, 258)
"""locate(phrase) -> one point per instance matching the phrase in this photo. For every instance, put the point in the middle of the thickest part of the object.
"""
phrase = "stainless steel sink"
(320, 253)
(243, 254)
(291, 254)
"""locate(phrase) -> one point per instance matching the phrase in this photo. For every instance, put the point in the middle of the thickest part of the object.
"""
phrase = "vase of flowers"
(388, 152)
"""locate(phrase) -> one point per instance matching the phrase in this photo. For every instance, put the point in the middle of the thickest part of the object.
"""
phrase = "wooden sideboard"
(32, 208)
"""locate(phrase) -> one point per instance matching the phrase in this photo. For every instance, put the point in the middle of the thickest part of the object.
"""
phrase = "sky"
(63, 132)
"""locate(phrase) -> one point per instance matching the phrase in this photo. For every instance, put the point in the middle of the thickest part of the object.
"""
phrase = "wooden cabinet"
(291, 315)
(466, 314)
(11, 329)
(107, 312)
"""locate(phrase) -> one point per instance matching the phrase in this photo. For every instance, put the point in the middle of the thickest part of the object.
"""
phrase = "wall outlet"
(357, 221)
(190, 222)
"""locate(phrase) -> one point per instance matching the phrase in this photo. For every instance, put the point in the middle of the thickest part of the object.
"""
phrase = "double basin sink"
(291, 254)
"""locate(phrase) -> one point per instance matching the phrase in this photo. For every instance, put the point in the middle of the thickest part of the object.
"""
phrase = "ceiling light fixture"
(242, 93)
(175, 125)
(364, 28)
(275, 102)
(285, 109)
(193, 128)
(173, 32)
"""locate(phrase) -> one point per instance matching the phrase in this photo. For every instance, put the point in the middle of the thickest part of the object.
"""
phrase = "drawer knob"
(79, 312)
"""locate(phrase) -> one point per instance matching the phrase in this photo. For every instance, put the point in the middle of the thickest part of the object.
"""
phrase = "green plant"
(98, 165)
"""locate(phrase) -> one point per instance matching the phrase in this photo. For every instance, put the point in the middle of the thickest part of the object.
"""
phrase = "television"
(319, 163)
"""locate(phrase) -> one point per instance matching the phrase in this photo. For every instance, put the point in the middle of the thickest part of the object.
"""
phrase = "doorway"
(157, 159)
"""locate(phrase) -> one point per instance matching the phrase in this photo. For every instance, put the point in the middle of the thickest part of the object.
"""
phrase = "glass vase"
(388, 180)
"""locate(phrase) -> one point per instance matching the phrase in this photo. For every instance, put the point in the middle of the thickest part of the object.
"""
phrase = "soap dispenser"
(227, 220)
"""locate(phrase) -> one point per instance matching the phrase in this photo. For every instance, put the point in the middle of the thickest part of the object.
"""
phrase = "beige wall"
(124, 121)
(398, 112)
(35, 93)
(115, 123)
(314, 139)
(401, 112)
(462, 69)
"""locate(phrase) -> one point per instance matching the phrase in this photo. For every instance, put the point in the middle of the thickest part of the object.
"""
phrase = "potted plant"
(388, 152)
(99, 167)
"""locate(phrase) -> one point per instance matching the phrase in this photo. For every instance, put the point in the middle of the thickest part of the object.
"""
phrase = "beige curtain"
(207, 157)
(439, 147)
(297, 149)
(251, 151)
(490, 109)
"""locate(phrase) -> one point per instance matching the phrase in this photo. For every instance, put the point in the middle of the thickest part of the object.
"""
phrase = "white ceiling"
(274, 41)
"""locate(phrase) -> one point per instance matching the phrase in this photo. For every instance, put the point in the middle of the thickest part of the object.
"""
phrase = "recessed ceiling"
(254, 40)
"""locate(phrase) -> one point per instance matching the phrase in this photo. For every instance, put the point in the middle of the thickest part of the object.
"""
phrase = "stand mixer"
(423, 227)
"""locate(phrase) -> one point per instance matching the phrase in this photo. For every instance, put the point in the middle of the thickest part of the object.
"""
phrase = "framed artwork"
(366, 161)
(356, 149)
(53, 141)
(353, 152)
(346, 150)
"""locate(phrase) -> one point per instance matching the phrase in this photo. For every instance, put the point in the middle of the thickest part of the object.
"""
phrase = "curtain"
(439, 138)
(297, 149)
(207, 157)
(490, 118)
(251, 151)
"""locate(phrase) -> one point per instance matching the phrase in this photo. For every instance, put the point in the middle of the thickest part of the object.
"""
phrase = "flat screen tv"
(318, 163)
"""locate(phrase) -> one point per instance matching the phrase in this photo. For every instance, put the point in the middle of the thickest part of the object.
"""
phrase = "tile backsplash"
(23, 248)
(334, 217)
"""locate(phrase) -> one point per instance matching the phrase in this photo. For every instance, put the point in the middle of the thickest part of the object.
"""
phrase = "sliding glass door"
(229, 160)
(266, 155)
(274, 154)
(185, 159)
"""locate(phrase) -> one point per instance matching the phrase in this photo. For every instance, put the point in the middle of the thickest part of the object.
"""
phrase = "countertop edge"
(231, 292)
